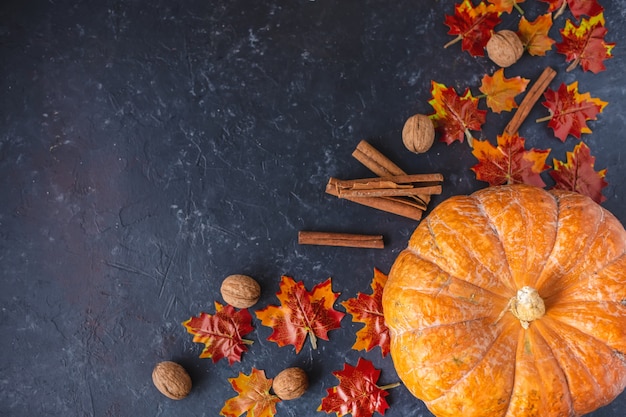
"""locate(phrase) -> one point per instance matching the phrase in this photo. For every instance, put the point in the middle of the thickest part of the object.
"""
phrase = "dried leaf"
(455, 116)
(368, 309)
(577, 7)
(509, 162)
(301, 313)
(500, 92)
(577, 174)
(253, 397)
(472, 25)
(357, 393)
(535, 35)
(584, 44)
(221, 333)
(570, 110)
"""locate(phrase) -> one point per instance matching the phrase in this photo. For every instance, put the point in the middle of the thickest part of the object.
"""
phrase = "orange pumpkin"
(511, 302)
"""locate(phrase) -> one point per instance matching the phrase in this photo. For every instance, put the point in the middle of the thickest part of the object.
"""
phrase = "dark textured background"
(150, 149)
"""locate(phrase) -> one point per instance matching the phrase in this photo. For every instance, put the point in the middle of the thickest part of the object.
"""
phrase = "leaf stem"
(247, 341)
(560, 11)
(573, 65)
(389, 386)
(313, 339)
(518, 8)
(453, 41)
(544, 119)
(470, 138)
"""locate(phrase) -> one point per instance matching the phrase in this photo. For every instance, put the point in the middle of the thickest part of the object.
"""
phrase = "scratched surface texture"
(150, 149)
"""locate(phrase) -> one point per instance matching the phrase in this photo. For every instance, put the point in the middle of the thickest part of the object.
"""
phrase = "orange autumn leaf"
(368, 309)
(301, 313)
(455, 115)
(509, 162)
(584, 44)
(578, 174)
(500, 92)
(507, 5)
(473, 26)
(570, 110)
(534, 35)
(253, 398)
(221, 333)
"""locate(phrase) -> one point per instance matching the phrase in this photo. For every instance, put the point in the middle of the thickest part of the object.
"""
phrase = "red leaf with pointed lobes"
(455, 115)
(570, 110)
(472, 25)
(509, 162)
(221, 333)
(578, 174)
(577, 7)
(301, 313)
(253, 396)
(357, 393)
(368, 309)
(584, 44)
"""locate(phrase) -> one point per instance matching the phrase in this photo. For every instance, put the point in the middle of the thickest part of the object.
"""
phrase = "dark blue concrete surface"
(150, 149)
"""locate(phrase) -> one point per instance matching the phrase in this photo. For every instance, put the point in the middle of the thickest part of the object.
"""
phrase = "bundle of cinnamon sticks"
(393, 191)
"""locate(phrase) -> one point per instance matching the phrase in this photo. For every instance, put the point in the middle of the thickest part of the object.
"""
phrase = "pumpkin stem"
(527, 306)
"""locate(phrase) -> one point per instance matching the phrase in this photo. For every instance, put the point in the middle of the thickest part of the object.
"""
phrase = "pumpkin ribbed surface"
(452, 298)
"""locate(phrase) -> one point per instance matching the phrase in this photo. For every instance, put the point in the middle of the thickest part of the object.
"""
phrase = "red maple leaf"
(584, 44)
(577, 174)
(454, 115)
(301, 313)
(577, 7)
(368, 309)
(509, 162)
(253, 396)
(570, 110)
(357, 392)
(472, 25)
(221, 333)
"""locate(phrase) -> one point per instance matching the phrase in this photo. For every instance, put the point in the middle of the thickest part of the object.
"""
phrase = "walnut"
(504, 48)
(290, 383)
(172, 380)
(418, 133)
(240, 291)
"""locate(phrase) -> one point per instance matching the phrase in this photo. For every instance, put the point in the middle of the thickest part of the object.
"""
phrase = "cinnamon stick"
(379, 164)
(401, 185)
(529, 101)
(375, 161)
(340, 239)
(400, 206)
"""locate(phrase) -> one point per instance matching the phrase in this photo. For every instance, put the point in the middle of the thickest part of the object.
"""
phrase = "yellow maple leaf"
(500, 92)
(534, 35)
(253, 396)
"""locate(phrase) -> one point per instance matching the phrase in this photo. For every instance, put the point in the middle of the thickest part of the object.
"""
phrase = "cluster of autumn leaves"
(301, 314)
(583, 45)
